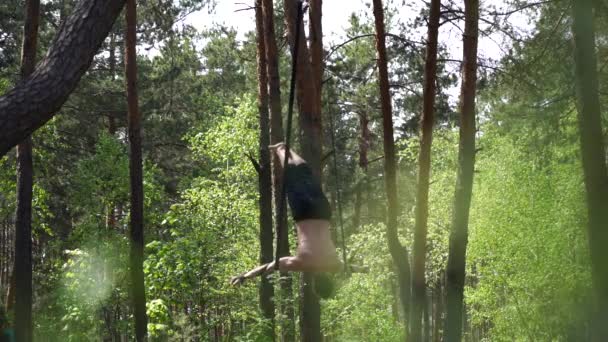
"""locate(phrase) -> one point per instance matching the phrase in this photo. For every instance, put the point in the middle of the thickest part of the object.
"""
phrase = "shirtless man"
(311, 212)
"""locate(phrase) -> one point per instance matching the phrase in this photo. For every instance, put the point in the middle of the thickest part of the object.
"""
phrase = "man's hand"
(237, 280)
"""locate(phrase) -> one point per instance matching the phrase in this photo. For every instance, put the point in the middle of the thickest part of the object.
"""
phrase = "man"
(311, 212)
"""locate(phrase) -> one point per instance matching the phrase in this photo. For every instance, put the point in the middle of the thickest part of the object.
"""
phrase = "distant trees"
(529, 274)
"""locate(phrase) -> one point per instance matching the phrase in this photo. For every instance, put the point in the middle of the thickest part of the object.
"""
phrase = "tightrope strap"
(282, 207)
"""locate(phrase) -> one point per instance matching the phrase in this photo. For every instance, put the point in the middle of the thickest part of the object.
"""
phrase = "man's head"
(324, 285)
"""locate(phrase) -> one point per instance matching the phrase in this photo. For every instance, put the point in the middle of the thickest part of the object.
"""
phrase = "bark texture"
(398, 252)
(464, 181)
(593, 158)
(36, 99)
(266, 290)
(316, 43)
(424, 169)
(138, 294)
(25, 182)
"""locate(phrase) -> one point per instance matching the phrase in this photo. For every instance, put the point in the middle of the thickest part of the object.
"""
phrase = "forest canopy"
(460, 145)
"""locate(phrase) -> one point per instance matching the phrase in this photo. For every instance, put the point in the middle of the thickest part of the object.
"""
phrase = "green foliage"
(209, 236)
(528, 275)
(364, 306)
(528, 248)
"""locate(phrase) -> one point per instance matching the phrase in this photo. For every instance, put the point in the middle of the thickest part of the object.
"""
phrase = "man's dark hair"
(324, 285)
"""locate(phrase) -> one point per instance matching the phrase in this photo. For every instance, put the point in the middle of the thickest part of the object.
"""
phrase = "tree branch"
(34, 101)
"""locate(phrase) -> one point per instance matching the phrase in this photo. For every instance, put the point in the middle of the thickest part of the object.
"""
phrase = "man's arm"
(286, 264)
(262, 269)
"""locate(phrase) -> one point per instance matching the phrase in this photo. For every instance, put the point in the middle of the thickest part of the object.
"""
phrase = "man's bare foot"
(276, 146)
(237, 280)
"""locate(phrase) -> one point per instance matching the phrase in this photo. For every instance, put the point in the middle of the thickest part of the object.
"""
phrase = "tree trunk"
(311, 135)
(464, 181)
(424, 169)
(316, 44)
(276, 135)
(593, 158)
(266, 290)
(34, 101)
(138, 293)
(309, 104)
(23, 218)
(398, 252)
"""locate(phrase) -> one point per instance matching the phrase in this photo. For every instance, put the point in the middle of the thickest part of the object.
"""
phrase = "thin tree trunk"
(10, 292)
(107, 310)
(593, 158)
(427, 317)
(464, 181)
(398, 252)
(311, 135)
(424, 170)
(138, 293)
(112, 66)
(23, 218)
(276, 135)
(266, 290)
(57, 75)
(438, 321)
(364, 143)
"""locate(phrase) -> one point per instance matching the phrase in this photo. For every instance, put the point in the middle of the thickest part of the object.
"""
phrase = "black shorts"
(306, 199)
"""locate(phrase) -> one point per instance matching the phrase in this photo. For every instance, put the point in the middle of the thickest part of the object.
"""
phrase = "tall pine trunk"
(23, 219)
(593, 158)
(138, 294)
(398, 252)
(266, 290)
(464, 180)
(424, 169)
(276, 135)
(311, 134)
